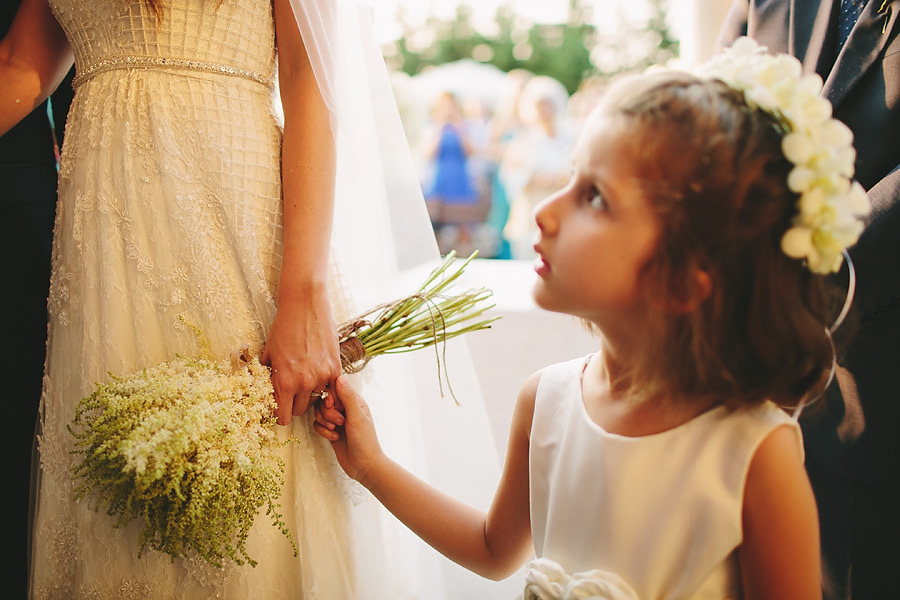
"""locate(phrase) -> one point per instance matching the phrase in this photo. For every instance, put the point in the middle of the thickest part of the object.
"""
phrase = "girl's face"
(598, 233)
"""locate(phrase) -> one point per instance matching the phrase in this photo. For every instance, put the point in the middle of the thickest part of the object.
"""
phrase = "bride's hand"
(302, 350)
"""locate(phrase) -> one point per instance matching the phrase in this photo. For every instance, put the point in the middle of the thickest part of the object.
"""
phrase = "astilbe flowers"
(189, 447)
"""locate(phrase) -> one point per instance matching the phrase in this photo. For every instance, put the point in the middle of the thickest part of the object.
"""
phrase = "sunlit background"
(486, 53)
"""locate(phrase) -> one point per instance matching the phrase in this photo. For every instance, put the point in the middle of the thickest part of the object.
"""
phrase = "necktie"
(850, 11)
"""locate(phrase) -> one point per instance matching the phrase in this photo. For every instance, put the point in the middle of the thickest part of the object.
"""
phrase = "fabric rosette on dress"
(546, 579)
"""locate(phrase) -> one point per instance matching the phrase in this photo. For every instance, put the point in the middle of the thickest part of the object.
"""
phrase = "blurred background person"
(455, 203)
(506, 122)
(537, 161)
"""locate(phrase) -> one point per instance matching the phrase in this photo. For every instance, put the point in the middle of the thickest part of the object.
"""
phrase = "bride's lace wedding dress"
(170, 207)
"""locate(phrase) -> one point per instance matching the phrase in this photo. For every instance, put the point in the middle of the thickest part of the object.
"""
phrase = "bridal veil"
(383, 246)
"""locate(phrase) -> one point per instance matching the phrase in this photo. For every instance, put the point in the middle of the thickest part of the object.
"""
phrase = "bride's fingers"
(314, 391)
(301, 403)
(304, 398)
(283, 405)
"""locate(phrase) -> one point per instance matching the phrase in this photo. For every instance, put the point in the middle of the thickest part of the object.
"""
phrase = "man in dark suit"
(27, 209)
(853, 443)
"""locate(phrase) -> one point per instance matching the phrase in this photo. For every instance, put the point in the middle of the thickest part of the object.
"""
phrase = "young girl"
(664, 466)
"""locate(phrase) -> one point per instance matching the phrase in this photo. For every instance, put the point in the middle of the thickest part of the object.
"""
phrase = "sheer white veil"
(382, 247)
(317, 20)
(372, 149)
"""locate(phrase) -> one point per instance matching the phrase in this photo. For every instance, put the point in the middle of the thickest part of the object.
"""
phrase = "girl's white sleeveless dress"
(170, 206)
(660, 512)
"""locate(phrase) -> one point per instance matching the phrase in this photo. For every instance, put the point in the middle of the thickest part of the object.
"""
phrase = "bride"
(181, 196)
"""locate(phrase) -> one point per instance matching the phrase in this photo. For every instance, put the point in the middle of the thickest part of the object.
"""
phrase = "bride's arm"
(302, 345)
(34, 58)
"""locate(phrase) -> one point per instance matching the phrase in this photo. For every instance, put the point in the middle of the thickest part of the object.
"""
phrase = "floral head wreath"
(820, 147)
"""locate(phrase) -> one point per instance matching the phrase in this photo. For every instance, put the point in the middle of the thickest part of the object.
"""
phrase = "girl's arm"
(494, 544)
(34, 58)
(302, 345)
(779, 556)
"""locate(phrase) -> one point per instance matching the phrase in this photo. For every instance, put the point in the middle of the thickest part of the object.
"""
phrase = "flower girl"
(693, 235)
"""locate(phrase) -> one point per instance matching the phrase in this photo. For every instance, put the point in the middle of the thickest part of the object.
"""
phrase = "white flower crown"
(820, 147)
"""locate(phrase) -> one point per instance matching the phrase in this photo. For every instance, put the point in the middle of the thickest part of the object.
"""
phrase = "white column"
(697, 23)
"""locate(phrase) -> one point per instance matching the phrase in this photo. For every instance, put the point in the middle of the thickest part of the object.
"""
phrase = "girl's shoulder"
(565, 370)
(766, 417)
(561, 377)
(553, 390)
(746, 429)
(553, 377)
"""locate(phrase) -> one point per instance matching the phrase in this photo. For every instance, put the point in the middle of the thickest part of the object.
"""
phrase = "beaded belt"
(150, 62)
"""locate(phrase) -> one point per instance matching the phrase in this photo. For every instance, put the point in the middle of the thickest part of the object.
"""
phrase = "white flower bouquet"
(188, 446)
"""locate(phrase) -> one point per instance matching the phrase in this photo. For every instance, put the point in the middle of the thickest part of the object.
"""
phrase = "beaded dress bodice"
(233, 35)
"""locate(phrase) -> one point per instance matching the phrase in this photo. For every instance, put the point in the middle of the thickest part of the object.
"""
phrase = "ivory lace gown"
(170, 205)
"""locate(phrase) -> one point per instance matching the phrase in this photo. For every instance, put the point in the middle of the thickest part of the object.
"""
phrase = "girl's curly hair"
(715, 174)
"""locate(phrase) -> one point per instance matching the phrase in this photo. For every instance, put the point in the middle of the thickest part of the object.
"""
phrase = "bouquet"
(188, 446)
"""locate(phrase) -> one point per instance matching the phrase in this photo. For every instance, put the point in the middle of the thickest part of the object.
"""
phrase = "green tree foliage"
(566, 51)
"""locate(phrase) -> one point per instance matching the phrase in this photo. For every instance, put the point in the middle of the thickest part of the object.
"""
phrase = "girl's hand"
(302, 350)
(329, 416)
(356, 443)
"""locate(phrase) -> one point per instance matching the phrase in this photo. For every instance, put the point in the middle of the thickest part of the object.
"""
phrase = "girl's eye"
(596, 200)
